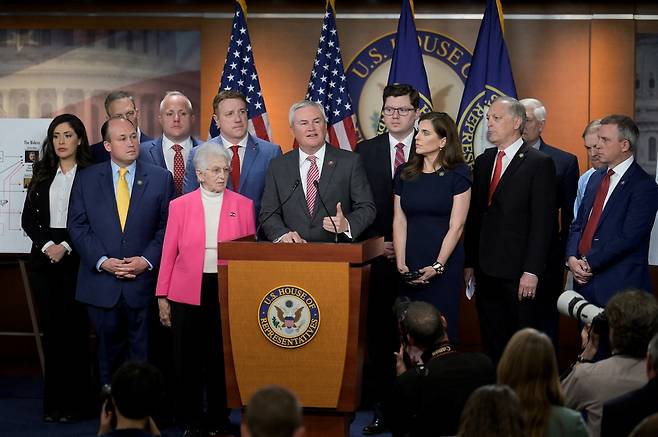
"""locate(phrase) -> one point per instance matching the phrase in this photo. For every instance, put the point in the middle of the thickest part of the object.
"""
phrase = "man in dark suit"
(172, 149)
(118, 104)
(381, 156)
(250, 156)
(567, 173)
(509, 228)
(304, 182)
(622, 414)
(117, 218)
(608, 245)
(428, 399)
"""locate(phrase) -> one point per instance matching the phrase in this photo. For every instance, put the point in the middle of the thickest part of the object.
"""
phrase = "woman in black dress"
(432, 196)
(54, 267)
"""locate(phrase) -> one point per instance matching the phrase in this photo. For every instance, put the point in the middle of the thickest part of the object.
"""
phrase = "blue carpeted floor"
(20, 414)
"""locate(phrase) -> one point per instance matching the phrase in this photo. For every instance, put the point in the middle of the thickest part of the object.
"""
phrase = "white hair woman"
(187, 287)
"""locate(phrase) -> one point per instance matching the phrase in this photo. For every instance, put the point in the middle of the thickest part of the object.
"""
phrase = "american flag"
(240, 75)
(328, 85)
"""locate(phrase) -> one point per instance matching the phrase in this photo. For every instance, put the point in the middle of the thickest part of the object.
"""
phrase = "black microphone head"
(316, 183)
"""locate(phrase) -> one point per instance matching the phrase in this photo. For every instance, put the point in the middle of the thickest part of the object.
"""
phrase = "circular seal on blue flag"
(289, 317)
(446, 61)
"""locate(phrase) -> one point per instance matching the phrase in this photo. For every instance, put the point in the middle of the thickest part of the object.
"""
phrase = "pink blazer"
(183, 250)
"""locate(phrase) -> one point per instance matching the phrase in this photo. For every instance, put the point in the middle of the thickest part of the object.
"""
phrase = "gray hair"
(536, 106)
(205, 152)
(516, 109)
(592, 127)
(176, 93)
(117, 95)
(652, 351)
(304, 104)
(628, 130)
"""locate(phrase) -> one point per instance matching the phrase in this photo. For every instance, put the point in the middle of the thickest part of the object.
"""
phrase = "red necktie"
(235, 168)
(399, 156)
(179, 168)
(585, 243)
(312, 176)
(496, 176)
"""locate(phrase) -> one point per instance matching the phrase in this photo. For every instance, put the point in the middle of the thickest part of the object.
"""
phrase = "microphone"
(260, 225)
(317, 187)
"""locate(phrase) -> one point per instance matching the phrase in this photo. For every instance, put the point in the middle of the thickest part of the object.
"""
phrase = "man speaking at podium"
(316, 192)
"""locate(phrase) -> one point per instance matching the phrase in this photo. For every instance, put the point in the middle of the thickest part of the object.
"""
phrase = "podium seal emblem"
(289, 317)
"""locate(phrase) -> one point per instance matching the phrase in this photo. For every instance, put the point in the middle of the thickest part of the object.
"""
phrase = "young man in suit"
(172, 149)
(118, 104)
(381, 156)
(509, 228)
(117, 217)
(250, 156)
(567, 172)
(301, 183)
(608, 246)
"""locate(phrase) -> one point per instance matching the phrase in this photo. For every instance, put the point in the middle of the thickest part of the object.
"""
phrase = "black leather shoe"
(68, 419)
(193, 432)
(375, 427)
(51, 416)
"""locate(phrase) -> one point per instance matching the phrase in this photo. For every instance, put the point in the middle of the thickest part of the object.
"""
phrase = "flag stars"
(243, 71)
(234, 65)
(243, 30)
(258, 105)
(254, 76)
(246, 59)
(250, 88)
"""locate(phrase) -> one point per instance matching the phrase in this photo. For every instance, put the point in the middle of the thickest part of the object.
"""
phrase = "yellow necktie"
(123, 197)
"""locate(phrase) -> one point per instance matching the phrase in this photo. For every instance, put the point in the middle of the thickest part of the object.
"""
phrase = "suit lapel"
(617, 194)
(513, 166)
(328, 168)
(292, 168)
(106, 185)
(250, 154)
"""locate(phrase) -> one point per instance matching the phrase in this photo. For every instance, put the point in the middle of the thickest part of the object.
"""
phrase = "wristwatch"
(438, 268)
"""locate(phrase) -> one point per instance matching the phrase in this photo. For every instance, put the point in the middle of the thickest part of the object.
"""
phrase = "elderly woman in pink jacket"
(187, 288)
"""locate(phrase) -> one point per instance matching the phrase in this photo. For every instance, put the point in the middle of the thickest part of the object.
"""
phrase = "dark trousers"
(122, 333)
(501, 313)
(199, 358)
(381, 331)
(65, 328)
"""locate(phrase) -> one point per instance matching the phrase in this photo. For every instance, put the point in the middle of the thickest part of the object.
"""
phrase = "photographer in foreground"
(632, 319)
(135, 394)
(433, 385)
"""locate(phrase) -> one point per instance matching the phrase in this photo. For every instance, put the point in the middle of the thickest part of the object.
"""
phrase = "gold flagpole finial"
(243, 5)
(332, 3)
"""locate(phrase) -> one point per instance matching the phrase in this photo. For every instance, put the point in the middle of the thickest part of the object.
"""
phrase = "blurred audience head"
(492, 411)
(273, 411)
(647, 428)
(137, 390)
(529, 367)
(633, 321)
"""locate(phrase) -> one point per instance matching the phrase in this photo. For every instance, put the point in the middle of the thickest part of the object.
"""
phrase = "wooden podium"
(294, 315)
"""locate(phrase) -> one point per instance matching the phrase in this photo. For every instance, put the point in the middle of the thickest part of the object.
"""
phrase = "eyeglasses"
(402, 112)
(216, 171)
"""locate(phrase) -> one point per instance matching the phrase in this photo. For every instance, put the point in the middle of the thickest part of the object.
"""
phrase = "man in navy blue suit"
(118, 104)
(608, 245)
(566, 178)
(117, 217)
(172, 149)
(250, 156)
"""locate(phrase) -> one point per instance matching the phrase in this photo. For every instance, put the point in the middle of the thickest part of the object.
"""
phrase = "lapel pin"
(139, 182)
(521, 155)
(622, 182)
(441, 173)
(232, 214)
(330, 163)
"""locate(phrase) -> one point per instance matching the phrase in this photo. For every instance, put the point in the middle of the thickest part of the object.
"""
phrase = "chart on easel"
(20, 144)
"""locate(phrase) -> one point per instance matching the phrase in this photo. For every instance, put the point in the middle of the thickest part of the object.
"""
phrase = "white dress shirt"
(406, 149)
(305, 164)
(59, 194)
(242, 146)
(510, 151)
(169, 152)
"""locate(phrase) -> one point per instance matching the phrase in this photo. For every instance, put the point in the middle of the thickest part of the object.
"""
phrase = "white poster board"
(20, 143)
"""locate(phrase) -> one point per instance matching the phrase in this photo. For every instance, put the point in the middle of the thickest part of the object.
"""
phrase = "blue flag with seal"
(489, 77)
(407, 65)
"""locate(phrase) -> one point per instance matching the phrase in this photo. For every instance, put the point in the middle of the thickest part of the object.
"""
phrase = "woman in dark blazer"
(54, 267)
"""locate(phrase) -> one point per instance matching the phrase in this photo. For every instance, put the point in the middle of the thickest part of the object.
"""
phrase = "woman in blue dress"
(432, 195)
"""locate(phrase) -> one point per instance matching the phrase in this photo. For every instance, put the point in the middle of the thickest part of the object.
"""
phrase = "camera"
(574, 305)
(106, 398)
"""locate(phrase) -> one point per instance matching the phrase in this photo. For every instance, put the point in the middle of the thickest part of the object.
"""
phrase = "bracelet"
(438, 268)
